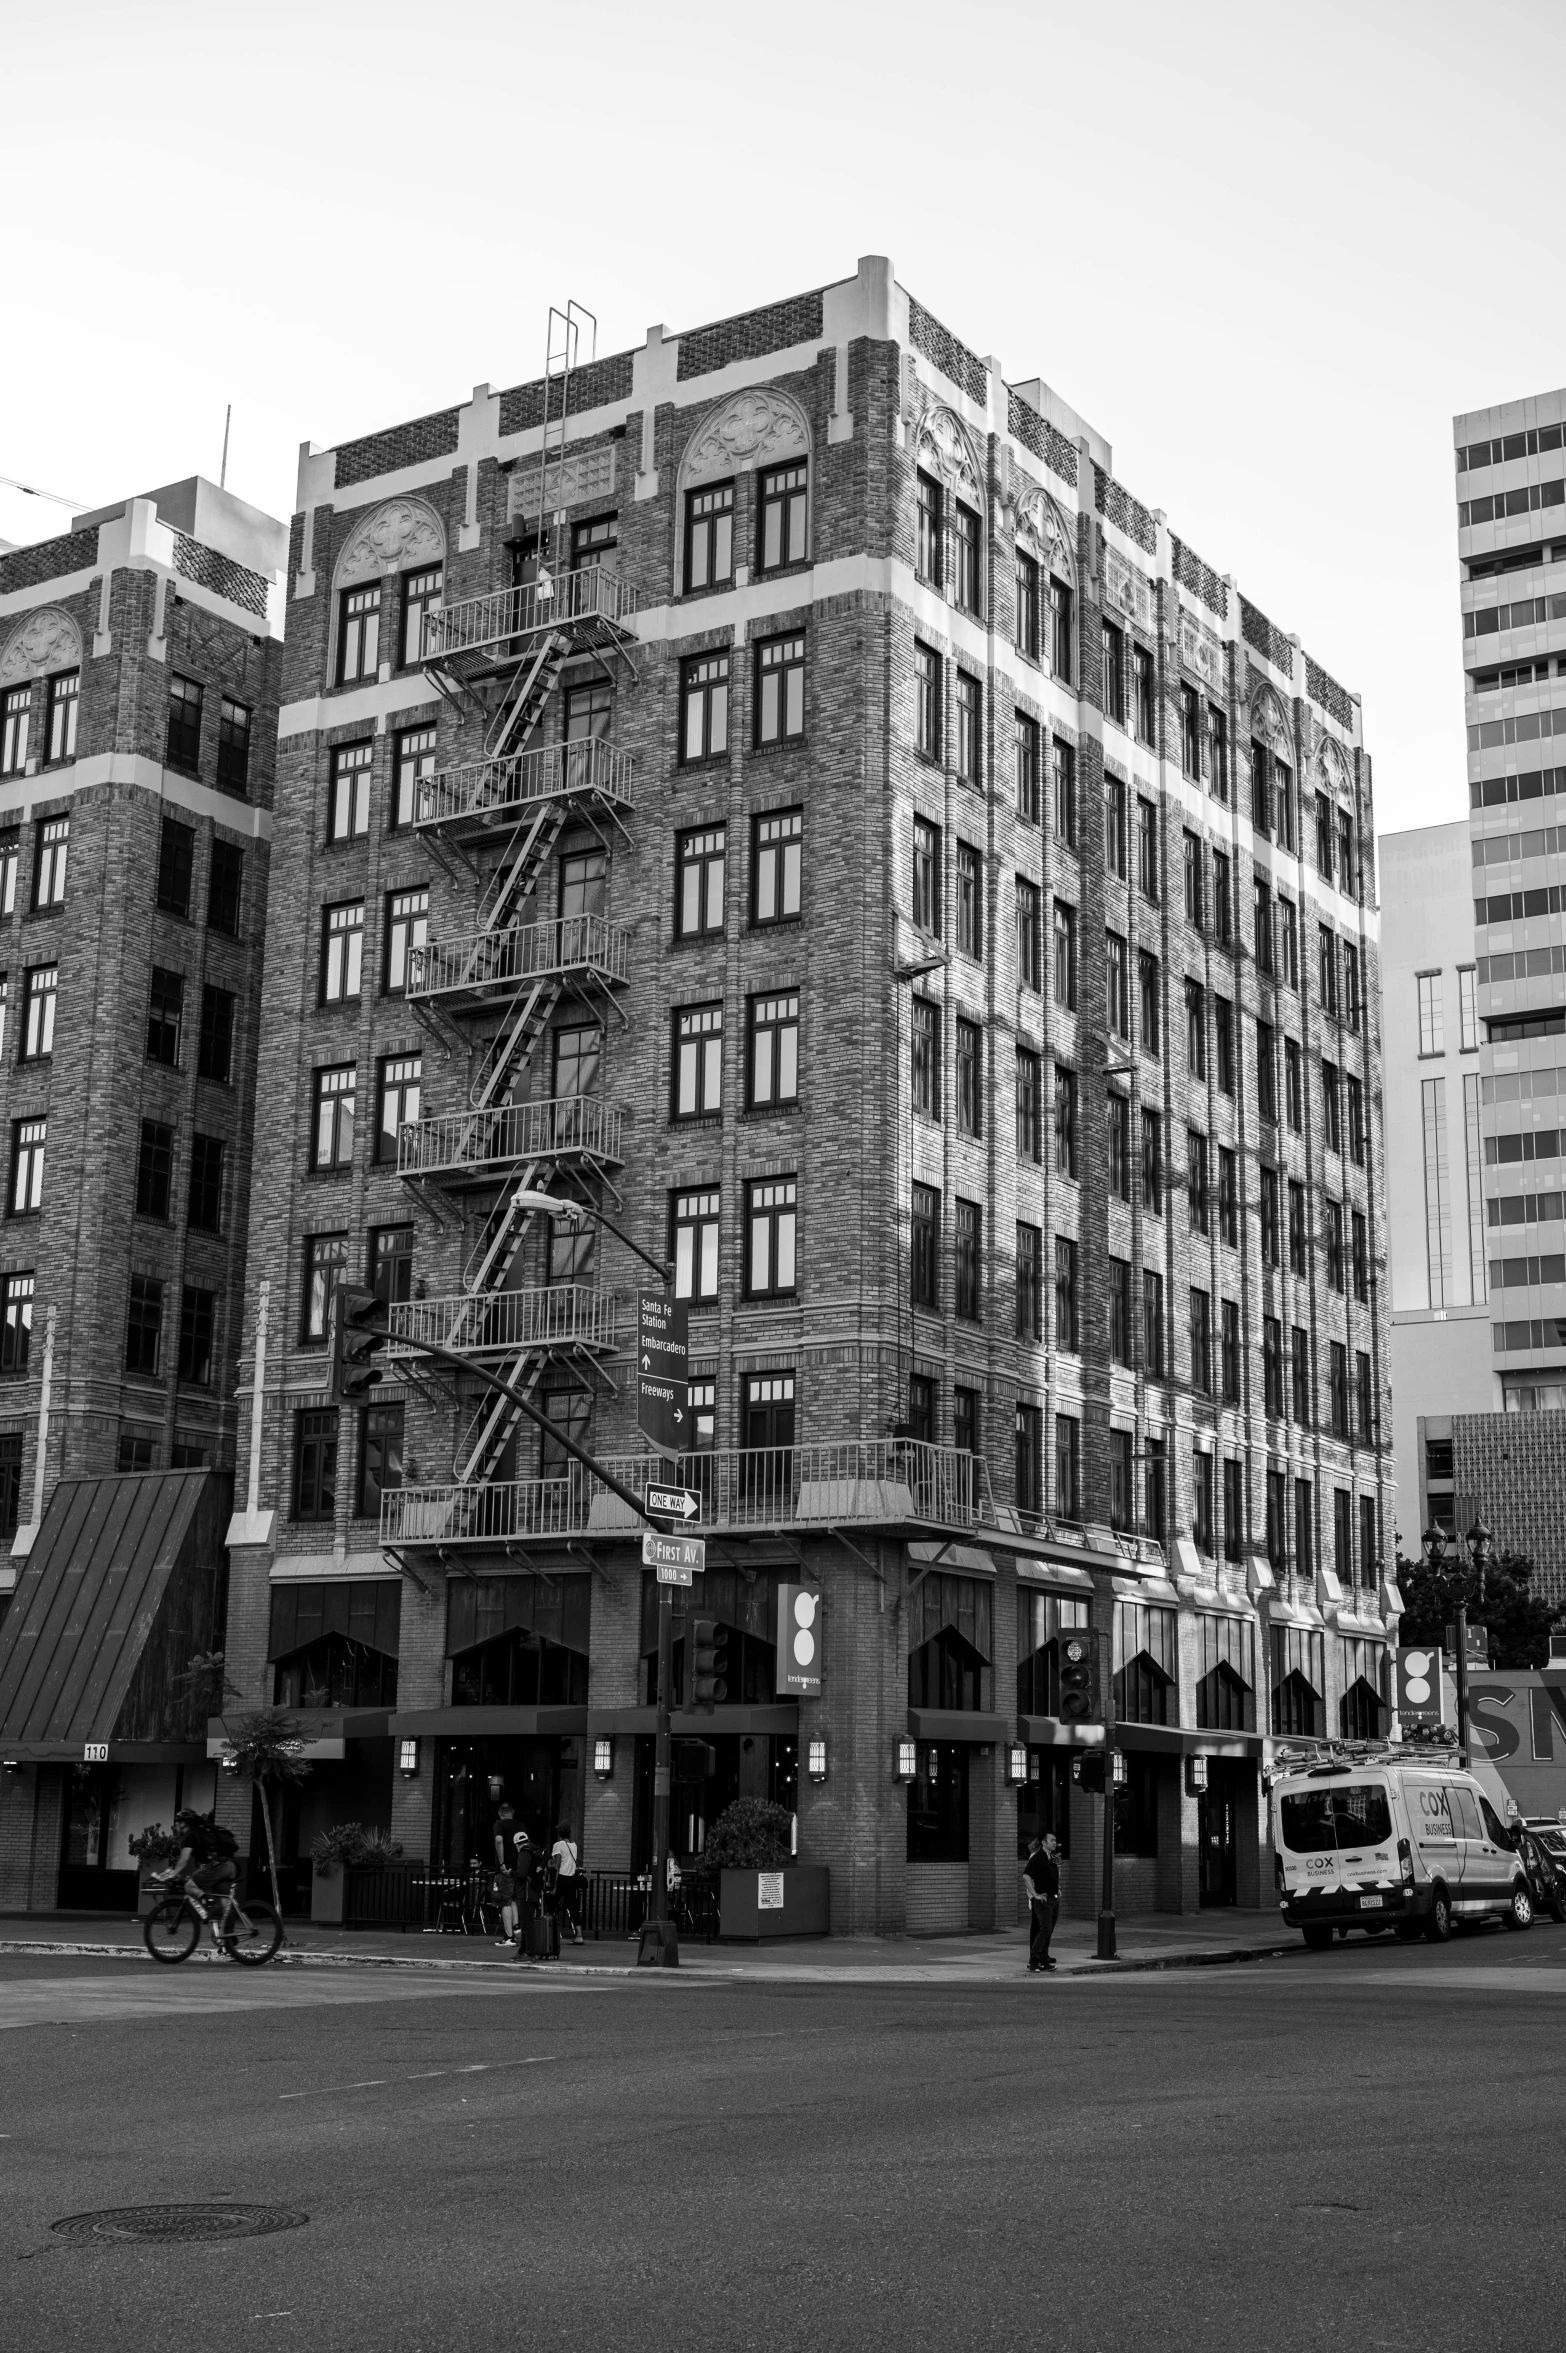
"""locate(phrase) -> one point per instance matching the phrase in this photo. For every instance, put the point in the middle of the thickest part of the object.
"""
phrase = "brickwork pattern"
(1269, 642)
(48, 559)
(434, 436)
(1328, 695)
(943, 350)
(777, 326)
(1037, 434)
(1128, 514)
(596, 384)
(221, 574)
(1199, 578)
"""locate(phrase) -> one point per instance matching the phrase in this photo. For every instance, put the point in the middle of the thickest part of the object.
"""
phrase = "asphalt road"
(1362, 2148)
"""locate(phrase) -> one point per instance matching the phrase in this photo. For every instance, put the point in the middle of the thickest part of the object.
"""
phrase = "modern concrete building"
(139, 674)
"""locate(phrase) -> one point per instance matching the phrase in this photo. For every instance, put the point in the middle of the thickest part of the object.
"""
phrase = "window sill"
(326, 1175)
(679, 939)
(781, 743)
(695, 1119)
(707, 762)
(772, 1110)
(769, 1298)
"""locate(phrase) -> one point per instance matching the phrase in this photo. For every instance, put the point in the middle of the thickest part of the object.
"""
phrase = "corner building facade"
(856, 845)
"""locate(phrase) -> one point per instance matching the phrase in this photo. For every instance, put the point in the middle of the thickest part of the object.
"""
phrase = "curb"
(1269, 1952)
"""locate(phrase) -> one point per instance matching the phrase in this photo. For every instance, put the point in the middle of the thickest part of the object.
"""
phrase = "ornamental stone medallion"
(1042, 527)
(398, 536)
(755, 428)
(944, 449)
(1268, 721)
(43, 643)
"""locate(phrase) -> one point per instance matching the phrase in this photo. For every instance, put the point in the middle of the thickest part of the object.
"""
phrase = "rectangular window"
(927, 877)
(64, 703)
(1348, 870)
(968, 1262)
(774, 1051)
(1272, 1367)
(1030, 1283)
(154, 1167)
(926, 1059)
(225, 888)
(1192, 881)
(694, 1223)
(1066, 1335)
(391, 1264)
(204, 1205)
(1060, 630)
(1234, 1549)
(349, 807)
(1223, 901)
(1063, 771)
(1329, 969)
(16, 1331)
(1030, 1106)
(970, 900)
(1223, 1037)
(1289, 936)
(183, 746)
(1294, 1085)
(1335, 1245)
(28, 1137)
(195, 1337)
(1115, 826)
(342, 952)
(1065, 956)
(215, 1052)
(1068, 1466)
(1202, 1502)
(709, 536)
(1365, 1398)
(1438, 1192)
(924, 1282)
(359, 634)
(1030, 925)
(1217, 753)
(401, 1095)
(1120, 1311)
(1263, 928)
(1196, 1187)
(233, 749)
(1359, 1233)
(49, 855)
(780, 689)
(1113, 648)
(380, 1456)
(927, 702)
(783, 504)
(1231, 1352)
(1153, 1162)
(1149, 1001)
(1117, 989)
(700, 860)
(1195, 1029)
(927, 529)
(1028, 584)
(413, 764)
(1025, 752)
(1467, 1007)
(1299, 1361)
(42, 994)
(335, 1096)
(1142, 664)
(407, 936)
(1117, 1131)
(1228, 1196)
(1304, 1529)
(325, 1266)
(965, 558)
(1153, 1320)
(421, 594)
(16, 710)
(965, 1420)
(143, 1324)
(315, 1465)
(1338, 1388)
(1065, 1121)
(704, 703)
(771, 1225)
(1271, 1219)
(1201, 1341)
(1266, 1071)
(1296, 1227)
(1324, 836)
(1147, 849)
(10, 860)
(970, 1079)
(1432, 1024)
(1331, 1108)
(1190, 732)
(1351, 989)
(1028, 1459)
(1261, 788)
(970, 735)
(698, 1061)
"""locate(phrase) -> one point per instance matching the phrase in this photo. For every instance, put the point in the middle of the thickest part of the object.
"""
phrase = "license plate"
(1372, 1903)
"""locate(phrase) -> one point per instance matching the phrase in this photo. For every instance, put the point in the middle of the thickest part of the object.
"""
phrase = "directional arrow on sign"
(663, 1333)
(675, 1503)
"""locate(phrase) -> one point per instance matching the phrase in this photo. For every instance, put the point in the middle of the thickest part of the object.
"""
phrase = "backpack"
(216, 1843)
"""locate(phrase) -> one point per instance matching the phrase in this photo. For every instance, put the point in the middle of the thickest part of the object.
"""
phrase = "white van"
(1378, 1844)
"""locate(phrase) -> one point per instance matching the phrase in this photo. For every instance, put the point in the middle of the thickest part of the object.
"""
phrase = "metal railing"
(503, 1323)
(510, 786)
(461, 1902)
(559, 600)
(521, 952)
(486, 1144)
(863, 1482)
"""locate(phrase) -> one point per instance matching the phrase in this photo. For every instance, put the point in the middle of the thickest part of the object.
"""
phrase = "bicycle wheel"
(171, 1930)
(254, 1944)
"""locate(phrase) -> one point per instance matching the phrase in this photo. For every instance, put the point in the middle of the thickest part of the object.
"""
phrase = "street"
(1361, 2147)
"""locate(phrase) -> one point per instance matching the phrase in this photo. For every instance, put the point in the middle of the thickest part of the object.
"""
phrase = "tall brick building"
(140, 660)
(778, 785)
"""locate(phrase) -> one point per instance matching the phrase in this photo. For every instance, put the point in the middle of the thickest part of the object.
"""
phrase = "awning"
(957, 1724)
(692, 1724)
(120, 1591)
(1050, 1732)
(475, 1723)
(1180, 1740)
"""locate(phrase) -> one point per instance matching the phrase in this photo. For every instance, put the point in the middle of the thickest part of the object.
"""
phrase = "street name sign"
(675, 1503)
(662, 1358)
(676, 1558)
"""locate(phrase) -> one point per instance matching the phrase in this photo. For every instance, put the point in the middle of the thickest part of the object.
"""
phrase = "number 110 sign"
(799, 1642)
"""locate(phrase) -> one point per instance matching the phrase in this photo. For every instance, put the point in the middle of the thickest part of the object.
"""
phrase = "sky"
(1268, 253)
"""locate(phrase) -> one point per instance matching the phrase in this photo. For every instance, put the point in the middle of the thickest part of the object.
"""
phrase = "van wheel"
(1318, 1935)
(1519, 1912)
(1438, 1923)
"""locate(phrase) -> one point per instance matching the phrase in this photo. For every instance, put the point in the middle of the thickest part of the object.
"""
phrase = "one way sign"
(662, 1357)
(676, 1503)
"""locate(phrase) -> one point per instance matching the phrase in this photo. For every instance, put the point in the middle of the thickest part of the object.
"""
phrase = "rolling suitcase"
(543, 1937)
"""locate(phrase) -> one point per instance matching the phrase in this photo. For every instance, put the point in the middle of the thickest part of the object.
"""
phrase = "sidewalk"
(1145, 1941)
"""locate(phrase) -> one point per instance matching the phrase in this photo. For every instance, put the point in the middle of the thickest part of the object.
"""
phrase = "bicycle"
(172, 1929)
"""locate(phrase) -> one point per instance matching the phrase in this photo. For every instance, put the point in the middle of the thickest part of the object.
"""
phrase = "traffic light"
(1087, 1771)
(709, 1662)
(695, 1762)
(358, 1330)
(1078, 1678)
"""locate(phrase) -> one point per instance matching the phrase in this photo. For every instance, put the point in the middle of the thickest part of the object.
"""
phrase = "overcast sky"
(1268, 253)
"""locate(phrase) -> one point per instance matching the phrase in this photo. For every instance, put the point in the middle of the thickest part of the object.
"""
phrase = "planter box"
(327, 1891)
(754, 1906)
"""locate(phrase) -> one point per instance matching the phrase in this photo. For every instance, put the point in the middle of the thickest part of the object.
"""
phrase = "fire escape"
(489, 993)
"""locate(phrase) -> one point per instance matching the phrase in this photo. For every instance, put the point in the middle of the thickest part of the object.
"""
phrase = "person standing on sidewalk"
(1042, 1874)
(563, 1856)
(505, 1877)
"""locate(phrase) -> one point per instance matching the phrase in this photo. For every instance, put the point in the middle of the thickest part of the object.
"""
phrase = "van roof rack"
(1324, 1758)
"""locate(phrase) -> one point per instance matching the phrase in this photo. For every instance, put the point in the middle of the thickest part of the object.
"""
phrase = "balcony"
(562, 1317)
(484, 634)
(866, 1484)
(471, 802)
(470, 971)
(465, 1148)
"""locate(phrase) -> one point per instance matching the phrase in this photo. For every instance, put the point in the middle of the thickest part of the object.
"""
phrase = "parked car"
(1373, 1842)
(1542, 1846)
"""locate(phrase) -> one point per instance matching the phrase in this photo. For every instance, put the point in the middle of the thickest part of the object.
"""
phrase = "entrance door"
(1215, 1829)
(87, 1883)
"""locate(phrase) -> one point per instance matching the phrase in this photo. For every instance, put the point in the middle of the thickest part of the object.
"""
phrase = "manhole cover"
(181, 2222)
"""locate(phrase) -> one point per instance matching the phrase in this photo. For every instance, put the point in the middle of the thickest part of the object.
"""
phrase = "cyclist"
(207, 1856)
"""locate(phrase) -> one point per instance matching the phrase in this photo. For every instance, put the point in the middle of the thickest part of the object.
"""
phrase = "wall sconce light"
(229, 1761)
(407, 1758)
(13, 1764)
(603, 1758)
(496, 1787)
(1195, 1774)
(1017, 1765)
(815, 1759)
(907, 1764)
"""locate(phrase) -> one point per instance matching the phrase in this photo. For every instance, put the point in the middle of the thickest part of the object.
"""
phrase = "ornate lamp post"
(1473, 1553)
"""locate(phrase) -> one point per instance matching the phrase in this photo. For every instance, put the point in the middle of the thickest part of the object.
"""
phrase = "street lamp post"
(1479, 1541)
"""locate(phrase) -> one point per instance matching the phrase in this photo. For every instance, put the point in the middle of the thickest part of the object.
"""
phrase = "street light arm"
(567, 1202)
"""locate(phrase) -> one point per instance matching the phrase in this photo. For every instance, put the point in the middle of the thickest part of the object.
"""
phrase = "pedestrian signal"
(1087, 1771)
(1078, 1679)
(695, 1762)
(709, 1662)
(358, 1331)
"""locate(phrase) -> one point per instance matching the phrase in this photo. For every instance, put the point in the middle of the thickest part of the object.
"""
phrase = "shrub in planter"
(348, 1846)
(750, 1835)
(155, 1848)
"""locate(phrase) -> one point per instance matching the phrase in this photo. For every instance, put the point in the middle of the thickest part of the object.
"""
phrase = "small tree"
(750, 1835)
(265, 1745)
(1518, 1622)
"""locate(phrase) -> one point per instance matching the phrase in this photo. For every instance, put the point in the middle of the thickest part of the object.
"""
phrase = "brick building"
(778, 785)
(140, 661)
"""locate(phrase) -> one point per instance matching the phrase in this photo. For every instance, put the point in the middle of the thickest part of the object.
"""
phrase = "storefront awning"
(120, 1591)
(1050, 1732)
(956, 1724)
(1179, 1740)
(782, 1717)
(488, 1723)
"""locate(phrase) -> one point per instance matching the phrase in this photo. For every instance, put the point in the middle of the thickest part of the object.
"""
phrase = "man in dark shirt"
(1042, 1874)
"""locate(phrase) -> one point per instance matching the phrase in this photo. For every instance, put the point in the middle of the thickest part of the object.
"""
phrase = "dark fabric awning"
(123, 1587)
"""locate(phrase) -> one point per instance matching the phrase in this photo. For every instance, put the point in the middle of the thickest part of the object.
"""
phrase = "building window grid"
(777, 862)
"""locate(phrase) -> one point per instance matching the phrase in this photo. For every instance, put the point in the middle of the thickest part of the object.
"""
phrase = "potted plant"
(337, 1850)
(154, 1849)
(763, 1888)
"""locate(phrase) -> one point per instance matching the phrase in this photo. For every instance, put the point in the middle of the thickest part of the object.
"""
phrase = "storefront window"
(335, 1645)
(1136, 1807)
(1226, 1674)
(1146, 1687)
(1044, 1799)
(938, 1804)
(950, 1645)
(747, 1611)
(517, 1642)
(1041, 1619)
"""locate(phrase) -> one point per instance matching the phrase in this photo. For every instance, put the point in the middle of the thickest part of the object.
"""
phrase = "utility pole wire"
(28, 491)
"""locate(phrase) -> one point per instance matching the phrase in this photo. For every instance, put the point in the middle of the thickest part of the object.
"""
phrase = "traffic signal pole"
(1106, 1893)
